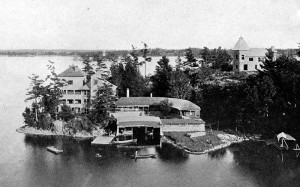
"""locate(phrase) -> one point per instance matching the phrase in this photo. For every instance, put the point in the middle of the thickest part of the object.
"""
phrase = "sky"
(170, 24)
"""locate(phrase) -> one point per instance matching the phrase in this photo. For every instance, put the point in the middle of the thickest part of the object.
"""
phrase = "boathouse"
(142, 128)
(184, 108)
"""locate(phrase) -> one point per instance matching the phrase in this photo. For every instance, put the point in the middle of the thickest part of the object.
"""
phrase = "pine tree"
(161, 79)
(35, 92)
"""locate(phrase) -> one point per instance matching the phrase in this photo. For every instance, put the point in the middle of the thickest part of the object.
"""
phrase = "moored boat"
(54, 150)
(123, 139)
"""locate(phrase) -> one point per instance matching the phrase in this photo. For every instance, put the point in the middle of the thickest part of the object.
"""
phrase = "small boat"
(123, 139)
(98, 155)
(136, 156)
(118, 142)
(54, 150)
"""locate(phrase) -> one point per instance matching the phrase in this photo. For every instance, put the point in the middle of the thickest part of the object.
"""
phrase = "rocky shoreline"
(40, 132)
(226, 139)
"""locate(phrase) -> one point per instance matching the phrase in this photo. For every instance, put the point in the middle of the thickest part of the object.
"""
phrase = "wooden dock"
(102, 140)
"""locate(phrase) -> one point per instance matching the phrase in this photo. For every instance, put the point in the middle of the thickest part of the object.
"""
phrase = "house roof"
(72, 71)
(256, 52)
(179, 104)
(241, 45)
(181, 121)
(129, 121)
(85, 87)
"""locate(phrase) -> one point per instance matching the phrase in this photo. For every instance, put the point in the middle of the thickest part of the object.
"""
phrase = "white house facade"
(248, 59)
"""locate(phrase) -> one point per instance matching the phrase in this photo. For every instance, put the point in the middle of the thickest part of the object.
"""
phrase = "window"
(70, 101)
(245, 66)
(63, 92)
(259, 60)
(62, 101)
(236, 67)
(251, 59)
(237, 57)
(255, 66)
(70, 92)
(77, 101)
(243, 57)
(77, 92)
(95, 82)
(70, 82)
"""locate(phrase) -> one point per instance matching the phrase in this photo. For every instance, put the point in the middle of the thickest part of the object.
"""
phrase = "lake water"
(24, 161)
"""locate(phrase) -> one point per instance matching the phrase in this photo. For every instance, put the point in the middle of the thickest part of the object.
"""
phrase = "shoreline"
(36, 132)
(224, 144)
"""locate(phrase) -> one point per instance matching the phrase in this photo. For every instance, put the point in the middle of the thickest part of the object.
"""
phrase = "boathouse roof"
(130, 121)
(72, 71)
(179, 104)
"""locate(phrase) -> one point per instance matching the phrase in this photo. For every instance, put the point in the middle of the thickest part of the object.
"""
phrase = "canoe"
(54, 150)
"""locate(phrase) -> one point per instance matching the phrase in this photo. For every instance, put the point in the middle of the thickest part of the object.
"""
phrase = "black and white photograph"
(149, 93)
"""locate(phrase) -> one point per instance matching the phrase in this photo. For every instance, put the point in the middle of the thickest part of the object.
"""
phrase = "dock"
(102, 140)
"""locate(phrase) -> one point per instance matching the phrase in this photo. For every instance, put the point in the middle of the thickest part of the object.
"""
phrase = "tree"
(161, 79)
(66, 113)
(87, 68)
(52, 92)
(101, 102)
(179, 85)
(190, 58)
(165, 106)
(35, 92)
(116, 72)
(145, 52)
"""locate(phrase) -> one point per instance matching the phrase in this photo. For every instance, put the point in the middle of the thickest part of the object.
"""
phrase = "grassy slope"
(196, 144)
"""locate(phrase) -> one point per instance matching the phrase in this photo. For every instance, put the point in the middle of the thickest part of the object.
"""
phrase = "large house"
(248, 59)
(78, 91)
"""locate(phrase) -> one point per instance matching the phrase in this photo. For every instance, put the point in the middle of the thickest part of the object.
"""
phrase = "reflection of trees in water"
(169, 152)
(218, 154)
(40, 141)
(265, 163)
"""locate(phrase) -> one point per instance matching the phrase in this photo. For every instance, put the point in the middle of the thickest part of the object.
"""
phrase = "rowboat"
(118, 142)
(137, 156)
(123, 139)
(54, 150)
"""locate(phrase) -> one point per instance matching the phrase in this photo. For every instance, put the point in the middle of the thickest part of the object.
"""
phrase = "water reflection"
(268, 165)
(169, 153)
(218, 154)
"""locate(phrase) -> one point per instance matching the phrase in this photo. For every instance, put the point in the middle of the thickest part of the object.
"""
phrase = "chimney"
(127, 92)
(150, 94)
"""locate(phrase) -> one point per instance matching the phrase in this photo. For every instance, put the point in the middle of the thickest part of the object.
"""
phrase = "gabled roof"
(179, 104)
(85, 87)
(241, 45)
(72, 71)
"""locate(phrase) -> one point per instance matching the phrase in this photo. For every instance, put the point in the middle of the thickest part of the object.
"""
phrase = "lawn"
(196, 144)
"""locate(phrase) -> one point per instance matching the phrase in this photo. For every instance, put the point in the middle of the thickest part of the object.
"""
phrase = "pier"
(102, 140)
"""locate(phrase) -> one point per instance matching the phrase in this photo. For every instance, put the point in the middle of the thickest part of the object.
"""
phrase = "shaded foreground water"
(24, 161)
(245, 164)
